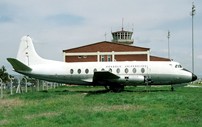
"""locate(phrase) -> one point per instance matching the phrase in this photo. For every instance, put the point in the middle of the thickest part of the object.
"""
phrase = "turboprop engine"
(131, 79)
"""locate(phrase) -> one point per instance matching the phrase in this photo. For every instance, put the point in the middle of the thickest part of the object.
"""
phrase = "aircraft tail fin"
(27, 54)
(19, 66)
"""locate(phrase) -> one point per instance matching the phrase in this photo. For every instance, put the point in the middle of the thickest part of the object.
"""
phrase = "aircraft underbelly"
(82, 79)
(67, 79)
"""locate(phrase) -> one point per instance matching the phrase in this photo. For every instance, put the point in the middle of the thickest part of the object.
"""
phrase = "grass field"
(94, 107)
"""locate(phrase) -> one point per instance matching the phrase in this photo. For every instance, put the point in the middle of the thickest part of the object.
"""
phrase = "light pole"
(192, 14)
(1, 83)
(11, 84)
(168, 44)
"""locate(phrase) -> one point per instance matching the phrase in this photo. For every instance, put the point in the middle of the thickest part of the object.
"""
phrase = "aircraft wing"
(104, 76)
(18, 66)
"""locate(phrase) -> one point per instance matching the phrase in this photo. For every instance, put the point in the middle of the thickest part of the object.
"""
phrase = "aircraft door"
(148, 78)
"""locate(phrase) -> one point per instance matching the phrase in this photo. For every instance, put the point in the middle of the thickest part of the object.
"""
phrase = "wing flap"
(18, 66)
(104, 76)
(88, 80)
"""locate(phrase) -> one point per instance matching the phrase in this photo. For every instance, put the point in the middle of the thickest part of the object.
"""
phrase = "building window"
(110, 70)
(126, 70)
(87, 71)
(79, 71)
(102, 58)
(71, 71)
(95, 70)
(102, 69)
(118, 70)
(109, 58)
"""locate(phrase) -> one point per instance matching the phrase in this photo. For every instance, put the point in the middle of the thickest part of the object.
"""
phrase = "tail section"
(27, 54)
(19, 66)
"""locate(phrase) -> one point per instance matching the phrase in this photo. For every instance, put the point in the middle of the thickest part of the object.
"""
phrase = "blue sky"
(55, 25)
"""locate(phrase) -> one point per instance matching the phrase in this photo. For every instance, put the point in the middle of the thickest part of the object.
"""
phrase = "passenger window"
(71, 71)
(142, 70)
(79, 71)
(126, 70)
(134, 70)
(87, 71)
(118, 70)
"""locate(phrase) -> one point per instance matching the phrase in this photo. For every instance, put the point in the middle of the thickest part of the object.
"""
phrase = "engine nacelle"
(131, 79)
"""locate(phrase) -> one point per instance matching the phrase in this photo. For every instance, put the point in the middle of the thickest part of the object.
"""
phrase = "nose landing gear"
(172, 88)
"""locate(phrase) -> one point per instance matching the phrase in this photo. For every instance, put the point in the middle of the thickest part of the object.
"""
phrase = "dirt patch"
(117, 107)
(9, 103)
(45, 114)
(3, 122)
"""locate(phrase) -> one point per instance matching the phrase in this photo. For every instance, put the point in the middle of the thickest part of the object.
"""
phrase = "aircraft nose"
(194, 77)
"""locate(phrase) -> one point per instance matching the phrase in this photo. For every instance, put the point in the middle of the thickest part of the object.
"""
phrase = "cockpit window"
(178, 66)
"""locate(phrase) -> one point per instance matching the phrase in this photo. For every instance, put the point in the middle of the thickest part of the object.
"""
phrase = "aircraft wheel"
(172, 88)
(116, 88)
(107, 87)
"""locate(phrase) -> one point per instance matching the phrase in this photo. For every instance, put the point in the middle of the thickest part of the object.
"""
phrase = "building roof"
(157, 58)
(106, 46)
(122, 31)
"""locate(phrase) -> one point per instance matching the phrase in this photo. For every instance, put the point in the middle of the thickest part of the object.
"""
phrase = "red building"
(120, 49)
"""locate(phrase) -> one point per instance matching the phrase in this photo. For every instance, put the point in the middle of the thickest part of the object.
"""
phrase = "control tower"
(123, 37)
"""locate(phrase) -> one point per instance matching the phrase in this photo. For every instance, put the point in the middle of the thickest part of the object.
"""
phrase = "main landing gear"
(115, 88)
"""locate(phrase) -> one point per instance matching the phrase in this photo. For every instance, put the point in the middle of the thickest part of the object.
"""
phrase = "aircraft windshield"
(178, 66)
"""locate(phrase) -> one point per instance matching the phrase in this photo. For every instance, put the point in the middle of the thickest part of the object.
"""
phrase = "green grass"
(93, 107)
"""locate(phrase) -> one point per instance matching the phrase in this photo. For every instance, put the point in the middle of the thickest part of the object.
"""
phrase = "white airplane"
(112, 75)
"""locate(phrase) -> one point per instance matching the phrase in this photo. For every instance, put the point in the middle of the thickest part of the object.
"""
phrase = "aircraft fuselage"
(130, 73)
(114, 74)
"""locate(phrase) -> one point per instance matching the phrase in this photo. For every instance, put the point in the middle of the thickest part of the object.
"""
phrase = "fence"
(18, 86)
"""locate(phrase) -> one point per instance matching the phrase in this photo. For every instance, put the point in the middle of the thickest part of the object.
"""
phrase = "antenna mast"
(168, 44)
(122, 24)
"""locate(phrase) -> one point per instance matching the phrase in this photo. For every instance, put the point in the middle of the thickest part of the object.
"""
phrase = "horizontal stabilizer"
(104, 75)
(18, 66)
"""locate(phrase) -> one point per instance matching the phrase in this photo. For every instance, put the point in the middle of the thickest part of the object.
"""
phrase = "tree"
(3, 74)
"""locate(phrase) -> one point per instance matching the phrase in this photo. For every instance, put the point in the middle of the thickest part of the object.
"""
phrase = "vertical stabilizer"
(26, 52)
